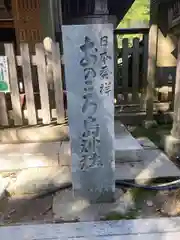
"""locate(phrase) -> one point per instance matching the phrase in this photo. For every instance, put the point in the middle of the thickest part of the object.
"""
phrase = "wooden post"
(27, 75)
(15, 96)
(152, 57)
(135, 70)
(58, 86)
(125, 67)
(3, 108)
(101, 7)
(43, 85)
(144, 71)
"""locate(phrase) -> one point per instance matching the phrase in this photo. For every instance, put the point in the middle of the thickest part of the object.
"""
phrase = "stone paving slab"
(46, 154)
(67, 208)
(30, 148)
(150, 164)
(153, 164)
(146, 143)
(34, 134)
(37, 181)
(150, 229)
(19, 162)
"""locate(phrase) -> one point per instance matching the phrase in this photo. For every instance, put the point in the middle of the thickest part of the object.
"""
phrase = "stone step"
(15, 160)
(28, 155)
(137, 229)
(45, 154)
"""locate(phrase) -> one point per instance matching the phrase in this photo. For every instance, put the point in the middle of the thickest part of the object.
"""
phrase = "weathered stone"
(146, 143)
(171, 146)
(65, 154)
(37, 181)
(34, 134)
(66, 207)
(89, 70)
(151, 164)
(127, 147)
(4, 182)
(29, 155)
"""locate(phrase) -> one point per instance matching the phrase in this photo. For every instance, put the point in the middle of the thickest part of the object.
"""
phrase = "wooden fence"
(131, 75)
(36, 94)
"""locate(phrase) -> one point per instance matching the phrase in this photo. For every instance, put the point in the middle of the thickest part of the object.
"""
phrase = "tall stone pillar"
(172, 142)
(152, 59)
(89, 75)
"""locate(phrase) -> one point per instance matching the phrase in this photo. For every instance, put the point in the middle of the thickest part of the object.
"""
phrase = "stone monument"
(89, 75)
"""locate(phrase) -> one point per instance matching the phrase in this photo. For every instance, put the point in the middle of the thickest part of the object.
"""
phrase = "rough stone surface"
(91, 108)
(37, 181)
(171, 145)
(68, 208)
(4, 182)
(126, 146)
(34, 134)
(146, 143)
(151, 164)
(29, 155)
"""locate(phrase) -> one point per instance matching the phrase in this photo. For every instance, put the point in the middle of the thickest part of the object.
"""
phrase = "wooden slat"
(43, 85)
(48, 53)
(125, 65)
(145, 60)
(3, 111)
(27, 75)
(144, 70)
(135, 69)
(57, 71)
(15, 97)
(33, 60)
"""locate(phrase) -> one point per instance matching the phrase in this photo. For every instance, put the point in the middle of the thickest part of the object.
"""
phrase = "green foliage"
(139, 12)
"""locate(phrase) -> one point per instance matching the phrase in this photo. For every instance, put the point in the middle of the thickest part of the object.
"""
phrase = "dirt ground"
(25, 209)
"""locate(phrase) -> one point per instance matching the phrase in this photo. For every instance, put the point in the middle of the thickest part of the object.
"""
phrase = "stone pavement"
(151, 229)
(41, 166)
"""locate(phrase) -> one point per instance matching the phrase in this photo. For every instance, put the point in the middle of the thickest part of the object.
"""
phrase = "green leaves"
(139, 12)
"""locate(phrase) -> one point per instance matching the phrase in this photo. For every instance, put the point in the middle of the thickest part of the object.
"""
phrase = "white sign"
(89, 74)
(4, 75)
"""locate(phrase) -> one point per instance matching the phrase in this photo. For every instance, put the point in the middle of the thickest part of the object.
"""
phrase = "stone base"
(172, 146)
(39, 181)
(126, 146)
(34, 134)
(67, 208)
(95, 184)
(151, 164)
